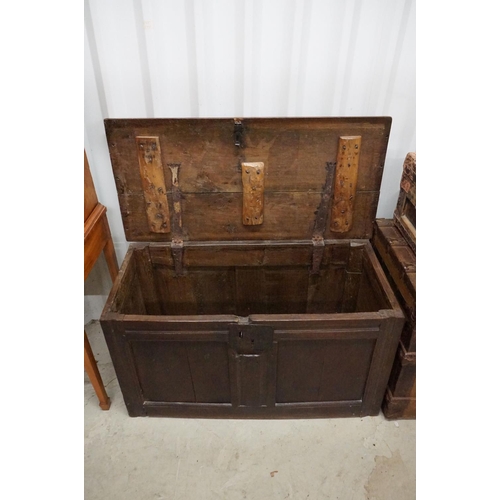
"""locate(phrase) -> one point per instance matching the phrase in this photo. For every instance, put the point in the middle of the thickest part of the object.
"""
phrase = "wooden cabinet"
(97, 238)
(394, 241)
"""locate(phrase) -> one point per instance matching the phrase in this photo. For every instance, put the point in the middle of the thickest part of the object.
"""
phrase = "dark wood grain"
(322, 370)
(182, 371)
(254, 322)
(403, 375)
(326, 290)
(129, 298)
(294, 152)
(383, 356)
(123, 363)
(399, 262)
(260, 280)
(182, 361)
(146, 281)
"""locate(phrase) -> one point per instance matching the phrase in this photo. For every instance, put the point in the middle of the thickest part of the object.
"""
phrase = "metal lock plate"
(250, 339)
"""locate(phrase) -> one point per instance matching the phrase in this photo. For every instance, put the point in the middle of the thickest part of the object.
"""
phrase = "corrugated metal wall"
(230, 58)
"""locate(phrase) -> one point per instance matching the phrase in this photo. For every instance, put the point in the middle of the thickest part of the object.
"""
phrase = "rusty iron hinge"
(317, 253)
(321, 218)
(177, 248)
(238, 133)
(177, 245)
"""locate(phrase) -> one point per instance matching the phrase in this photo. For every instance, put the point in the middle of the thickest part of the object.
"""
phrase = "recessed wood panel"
(323, 370)
(163, 371)
(182, 371)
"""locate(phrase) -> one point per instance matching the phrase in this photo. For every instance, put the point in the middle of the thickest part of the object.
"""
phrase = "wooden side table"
(97, 239)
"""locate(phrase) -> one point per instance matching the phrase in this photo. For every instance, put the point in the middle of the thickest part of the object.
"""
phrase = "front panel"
(256, 369)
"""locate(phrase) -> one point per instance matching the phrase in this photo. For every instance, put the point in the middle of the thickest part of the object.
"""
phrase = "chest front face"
(251, 289)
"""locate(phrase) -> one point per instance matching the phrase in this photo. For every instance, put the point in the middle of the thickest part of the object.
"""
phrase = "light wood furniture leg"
(110, 255)
(97, 239)
(95, 376)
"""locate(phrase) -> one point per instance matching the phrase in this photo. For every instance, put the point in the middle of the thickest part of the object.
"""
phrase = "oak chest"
(394, 241)
(250, 288)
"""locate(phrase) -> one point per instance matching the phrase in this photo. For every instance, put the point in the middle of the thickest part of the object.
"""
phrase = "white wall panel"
(168, 56)
(226, 58)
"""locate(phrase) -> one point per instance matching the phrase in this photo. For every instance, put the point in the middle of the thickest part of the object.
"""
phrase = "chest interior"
(250, 279)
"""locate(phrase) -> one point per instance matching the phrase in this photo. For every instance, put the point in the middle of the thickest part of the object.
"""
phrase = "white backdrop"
(248, 58)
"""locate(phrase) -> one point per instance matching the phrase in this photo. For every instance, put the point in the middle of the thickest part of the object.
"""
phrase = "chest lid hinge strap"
(177, 248)
(317, 253)
(321, 218)
(177, 245)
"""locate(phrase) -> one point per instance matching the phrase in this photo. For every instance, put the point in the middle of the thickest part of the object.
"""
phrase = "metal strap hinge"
(317, 253)
(177, 248)
(238, 133)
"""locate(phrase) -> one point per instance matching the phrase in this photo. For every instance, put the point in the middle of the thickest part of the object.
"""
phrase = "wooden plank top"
(207, 155)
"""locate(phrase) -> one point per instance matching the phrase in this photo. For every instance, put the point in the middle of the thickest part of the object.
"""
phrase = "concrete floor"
(181, 459)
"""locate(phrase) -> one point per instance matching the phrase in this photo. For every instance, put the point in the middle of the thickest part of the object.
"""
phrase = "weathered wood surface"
(218, 216)
(199, 373)
(345, 186)
(405, 214)
(295, 152)
(252, 177)
(240, 280)
(399, 262)
(153, 183)
(403, 375)
(208, 378)
(124, 295)
(402, 408)
(223, 318)
(400, 401)
(180, 347)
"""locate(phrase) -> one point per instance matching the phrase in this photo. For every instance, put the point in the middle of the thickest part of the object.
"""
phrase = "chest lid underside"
(248, 179)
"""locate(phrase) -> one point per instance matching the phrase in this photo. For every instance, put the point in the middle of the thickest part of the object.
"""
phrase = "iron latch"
(238, 133)
(250, 339)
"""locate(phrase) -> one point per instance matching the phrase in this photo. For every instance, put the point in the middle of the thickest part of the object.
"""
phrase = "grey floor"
(158, 459)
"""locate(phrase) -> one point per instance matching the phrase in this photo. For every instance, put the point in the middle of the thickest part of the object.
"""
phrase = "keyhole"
(240, 335)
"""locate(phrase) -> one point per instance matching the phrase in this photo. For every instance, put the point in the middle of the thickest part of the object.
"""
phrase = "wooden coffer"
(250, 288)
(395, 241)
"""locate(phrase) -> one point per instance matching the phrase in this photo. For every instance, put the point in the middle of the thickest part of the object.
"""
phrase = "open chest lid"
(248, 179)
